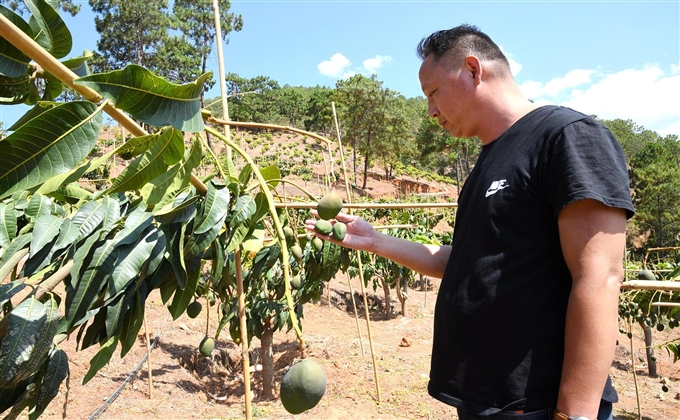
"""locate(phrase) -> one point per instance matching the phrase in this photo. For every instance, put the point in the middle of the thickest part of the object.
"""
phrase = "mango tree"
(155, 226)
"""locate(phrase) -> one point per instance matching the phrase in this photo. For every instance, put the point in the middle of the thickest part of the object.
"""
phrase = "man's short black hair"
(461, 41)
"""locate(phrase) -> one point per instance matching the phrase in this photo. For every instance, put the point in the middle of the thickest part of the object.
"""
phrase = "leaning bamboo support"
(359, 268)
(23, 42)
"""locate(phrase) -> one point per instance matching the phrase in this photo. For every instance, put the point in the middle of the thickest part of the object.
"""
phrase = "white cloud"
(373, 64)
(647, 95)
(339, 66)
(334, 67)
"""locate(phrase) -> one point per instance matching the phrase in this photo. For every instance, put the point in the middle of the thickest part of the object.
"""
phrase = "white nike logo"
(496, 186)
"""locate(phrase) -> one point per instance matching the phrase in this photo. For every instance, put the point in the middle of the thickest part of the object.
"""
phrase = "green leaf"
(10, 289)
(14, 90)
(25, 321)
(57, 371)
(131, 258)
(19, 243)
(131, 325)
(48, 145)
(46, 229)
(43, 342)
(161, 189)
(175, 237)
(167, 149)
(71, 193)
(8, 224)
(214, 209)
(150, 98)
(101, 358)
(13, 63)
(87, 285)
(79, 65)
(244, 209)
(52, 26)
(269, 173)
(89, 217)
(184, 296)
(39, 206)
(182, 213)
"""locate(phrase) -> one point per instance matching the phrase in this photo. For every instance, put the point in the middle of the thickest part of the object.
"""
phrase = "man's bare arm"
(593, 242)
(429, 260)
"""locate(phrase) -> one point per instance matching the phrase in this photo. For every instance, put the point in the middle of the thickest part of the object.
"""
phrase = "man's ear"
(474, 66)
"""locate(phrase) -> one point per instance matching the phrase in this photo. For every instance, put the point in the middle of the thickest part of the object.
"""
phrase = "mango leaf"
(87, 286)
(48, 145)
(46, 229)
(150, 98)
(39, 206)
(175, 236)
(131, 258)
(167, 149)
(22, 402)
(10, 289)
(14, 90)
(79, 65)
(180, 213)
(136, 146)
(131, 325)
(214, 209)
(89, 217)
(184, 296)
(244, 209)
(68, 233)
(25, 321)
(43, 342)
(71, 193)
(19, 243)
(269, 173)
(116, 310)
(57, 371)
(13, 63)
(112, 216)
(161, 189)
(8, 224)
(58, 37)
(101, 358)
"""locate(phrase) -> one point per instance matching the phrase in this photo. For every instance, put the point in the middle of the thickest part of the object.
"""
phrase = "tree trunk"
(267, 354)
(400, 295)
(649, 350)
(388, 299)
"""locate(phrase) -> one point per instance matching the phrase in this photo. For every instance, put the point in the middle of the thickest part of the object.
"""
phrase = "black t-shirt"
(500, 312)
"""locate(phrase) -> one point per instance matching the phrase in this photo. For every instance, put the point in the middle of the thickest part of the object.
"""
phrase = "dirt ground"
(187, 386)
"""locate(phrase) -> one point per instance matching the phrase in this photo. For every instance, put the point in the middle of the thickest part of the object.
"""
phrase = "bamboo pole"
(245, 359)
(267, 126)
(148, 358)
(45, 60)
(350, 205)
(651, 285)
(360, 269)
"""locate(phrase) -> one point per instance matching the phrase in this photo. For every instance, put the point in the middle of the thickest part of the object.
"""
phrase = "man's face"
(447, 95)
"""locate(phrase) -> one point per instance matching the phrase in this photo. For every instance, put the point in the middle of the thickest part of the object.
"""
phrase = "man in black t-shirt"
(526, 317)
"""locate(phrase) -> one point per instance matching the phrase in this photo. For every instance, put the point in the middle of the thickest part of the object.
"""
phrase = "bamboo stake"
(349, 199)
(148, 358)
(237, 252)
(361, 271)
(632, 358)
(45, 60)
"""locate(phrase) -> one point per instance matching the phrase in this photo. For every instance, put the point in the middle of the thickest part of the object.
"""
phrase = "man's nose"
(433, 111)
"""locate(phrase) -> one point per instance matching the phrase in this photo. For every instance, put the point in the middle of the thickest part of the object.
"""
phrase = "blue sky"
(614, 59)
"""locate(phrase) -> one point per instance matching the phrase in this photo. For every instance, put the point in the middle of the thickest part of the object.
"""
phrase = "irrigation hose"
(127, 380)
